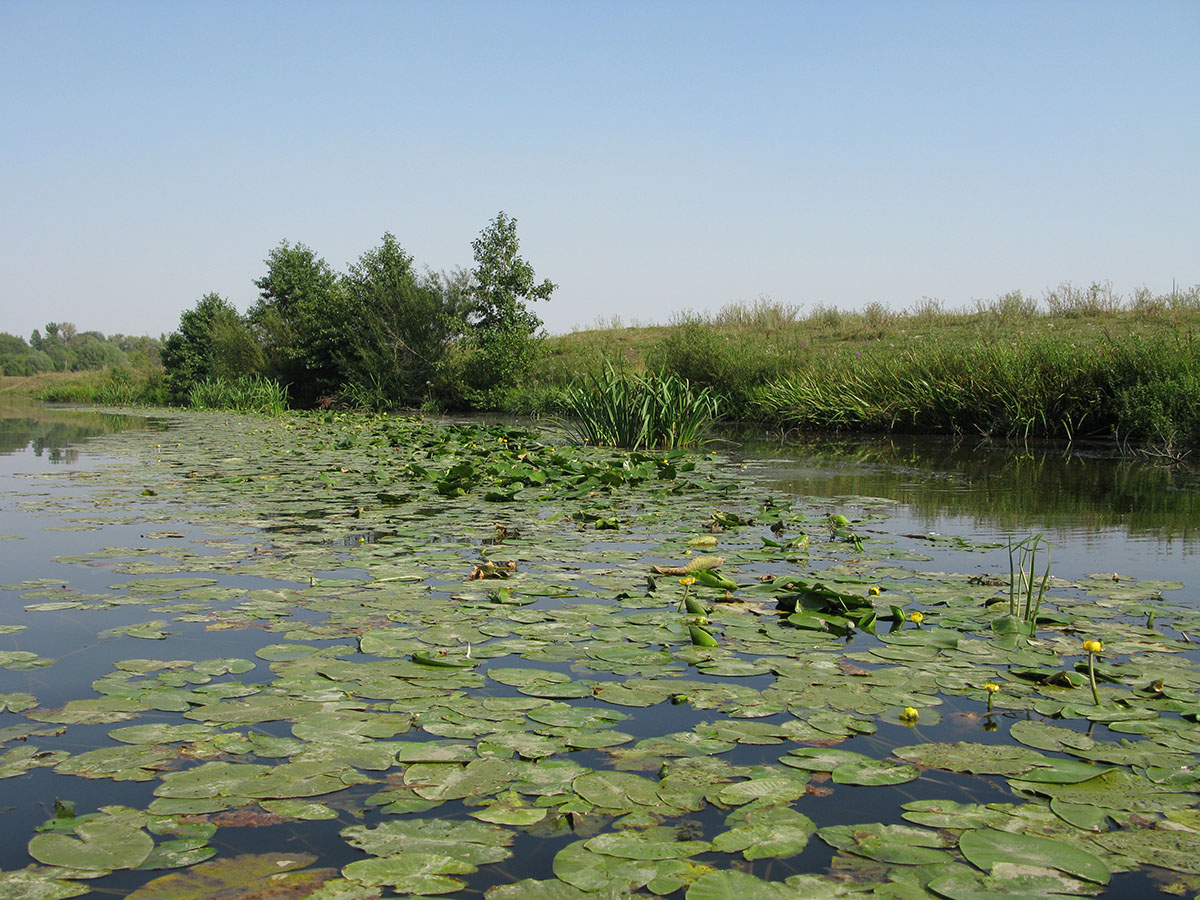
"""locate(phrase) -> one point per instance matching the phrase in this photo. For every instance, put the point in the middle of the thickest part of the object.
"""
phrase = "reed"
(250, 393)
(648, 411)
(1141, 389)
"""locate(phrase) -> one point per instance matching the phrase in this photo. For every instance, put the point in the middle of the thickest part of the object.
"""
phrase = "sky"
(660, 157)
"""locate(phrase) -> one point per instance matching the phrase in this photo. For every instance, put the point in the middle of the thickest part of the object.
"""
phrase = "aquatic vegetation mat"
(469, 660)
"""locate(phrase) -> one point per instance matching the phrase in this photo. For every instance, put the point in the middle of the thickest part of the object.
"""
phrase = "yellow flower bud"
(873, 591)
(917, 617)
(911, 713)
(1093, 646)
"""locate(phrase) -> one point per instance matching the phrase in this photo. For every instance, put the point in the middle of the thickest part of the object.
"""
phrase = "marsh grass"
(250, 393)
(115, 386)
(1132, 388)
(650, 411)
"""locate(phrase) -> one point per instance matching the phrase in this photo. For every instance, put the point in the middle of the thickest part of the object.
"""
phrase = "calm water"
(1102, 513)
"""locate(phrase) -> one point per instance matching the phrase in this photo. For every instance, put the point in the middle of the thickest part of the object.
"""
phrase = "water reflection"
(54, 434)
(1007, 488)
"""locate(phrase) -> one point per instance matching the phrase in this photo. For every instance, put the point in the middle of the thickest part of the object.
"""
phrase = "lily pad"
(985, 847)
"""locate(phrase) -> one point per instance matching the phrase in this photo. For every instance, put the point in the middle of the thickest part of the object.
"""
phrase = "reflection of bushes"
(50, 430)
(1010, 485)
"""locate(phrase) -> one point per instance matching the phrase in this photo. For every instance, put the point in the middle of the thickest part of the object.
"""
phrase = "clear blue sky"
(659, 156)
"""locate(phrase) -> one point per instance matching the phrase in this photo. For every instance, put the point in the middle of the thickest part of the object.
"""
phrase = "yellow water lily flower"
(991, 687)
(873, 591)
(689, 580)
(1093, 646)
(916, 618)
(910, 714)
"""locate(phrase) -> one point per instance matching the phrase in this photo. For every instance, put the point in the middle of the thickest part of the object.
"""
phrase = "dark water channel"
(1101, 512)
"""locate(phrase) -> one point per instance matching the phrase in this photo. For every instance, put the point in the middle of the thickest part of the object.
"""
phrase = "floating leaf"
(898, 844)
(985, 847)
(875, 773)
(99, 844)
(410, 873)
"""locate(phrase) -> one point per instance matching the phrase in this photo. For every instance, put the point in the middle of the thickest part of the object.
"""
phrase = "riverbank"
(1081, 363)
(1126, 370)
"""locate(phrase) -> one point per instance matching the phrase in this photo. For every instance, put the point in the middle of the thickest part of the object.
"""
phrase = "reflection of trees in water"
(1014, 488)
(52, 432)
(68, 455)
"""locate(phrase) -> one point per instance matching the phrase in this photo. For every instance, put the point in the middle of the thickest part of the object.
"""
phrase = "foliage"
(640, 411)
(64, 349)
(380, 336)
(503, 330)
(302, 321)
(1043, 388)
(213, 341)
(728, 361)
(1082, 361)
(248, 393)
(146, 386)
(405, 323)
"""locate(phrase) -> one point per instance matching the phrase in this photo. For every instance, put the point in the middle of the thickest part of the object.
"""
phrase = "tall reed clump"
(651, 411)
(250, 393)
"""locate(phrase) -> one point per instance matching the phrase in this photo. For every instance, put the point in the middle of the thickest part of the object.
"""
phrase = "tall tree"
(404, 324)
(504, 329)
(301, 320)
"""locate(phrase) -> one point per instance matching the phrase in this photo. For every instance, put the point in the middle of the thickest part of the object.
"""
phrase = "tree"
(213, 341)
(14, 355)
(503, 329)
(301, 321)
(404, 324)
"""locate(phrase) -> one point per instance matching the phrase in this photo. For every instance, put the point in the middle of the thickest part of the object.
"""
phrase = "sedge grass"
(250, 393)
(650, 411)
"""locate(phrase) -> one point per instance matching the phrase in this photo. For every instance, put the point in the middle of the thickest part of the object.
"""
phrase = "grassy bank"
(117, 386)
(1079, 362)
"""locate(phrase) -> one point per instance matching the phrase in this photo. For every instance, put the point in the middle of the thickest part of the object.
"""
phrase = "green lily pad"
(985, 847)
(730, 884)
(771, 832)
(99, 844)
(896, 844)
(875, 773)
(631, 845)
(1173, 849)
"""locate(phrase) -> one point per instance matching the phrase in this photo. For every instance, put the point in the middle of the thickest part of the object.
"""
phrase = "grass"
(250, 393)
(1082, 361)
(619, 409)
(116, 386)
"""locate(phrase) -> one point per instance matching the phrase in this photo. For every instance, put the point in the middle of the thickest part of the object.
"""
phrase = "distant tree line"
(383, 334)
(60, 348)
